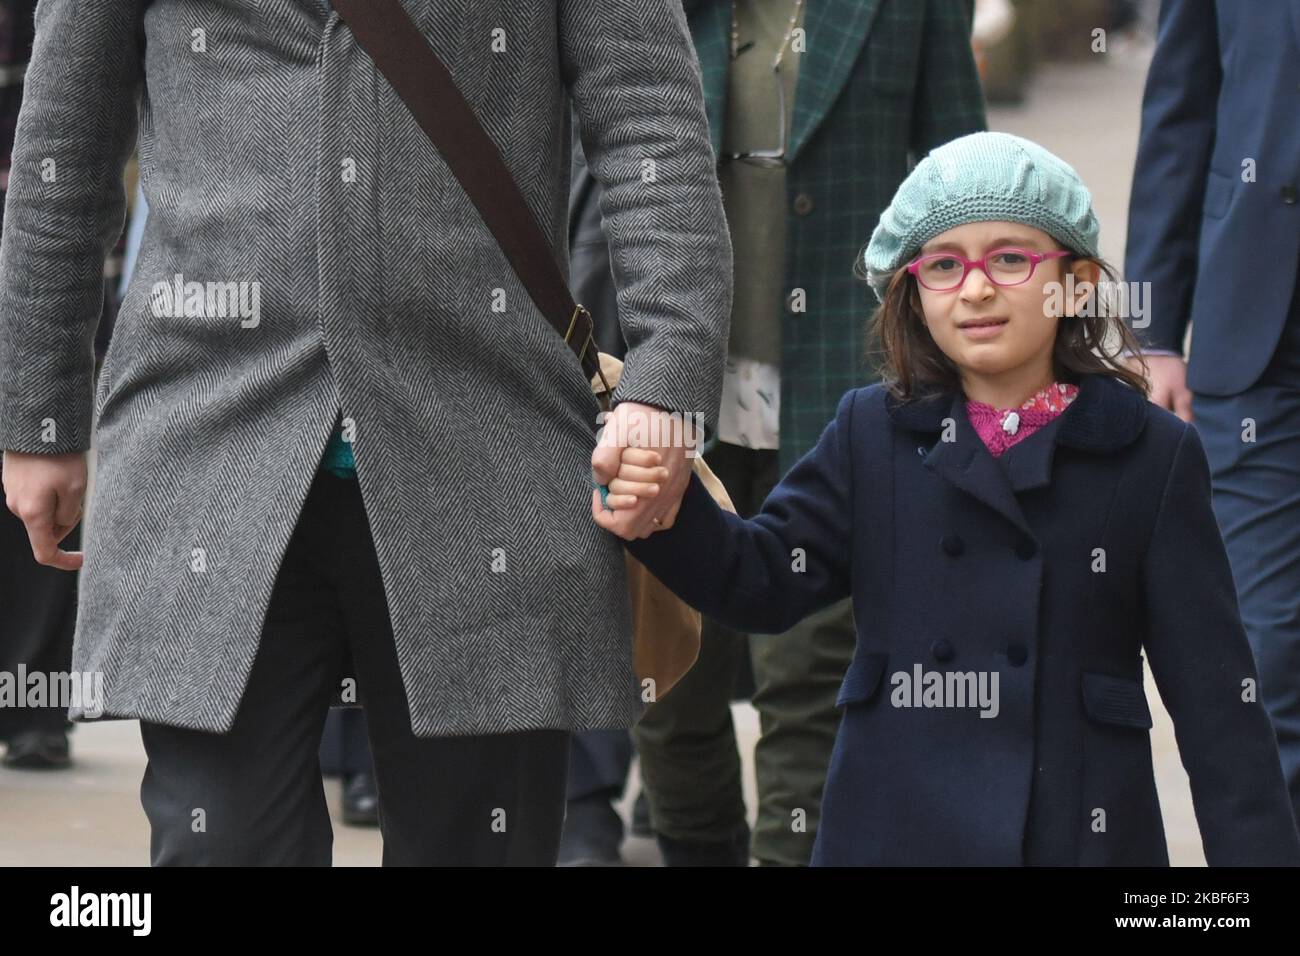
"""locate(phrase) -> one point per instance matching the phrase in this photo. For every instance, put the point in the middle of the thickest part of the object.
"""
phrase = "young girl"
(1016, 524)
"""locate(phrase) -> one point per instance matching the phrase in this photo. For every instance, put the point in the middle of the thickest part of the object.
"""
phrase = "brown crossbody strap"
(419, 78)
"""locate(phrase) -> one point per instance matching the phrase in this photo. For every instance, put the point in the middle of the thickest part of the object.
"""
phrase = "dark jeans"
(255, 796)
(1257, 502)
(687, 741)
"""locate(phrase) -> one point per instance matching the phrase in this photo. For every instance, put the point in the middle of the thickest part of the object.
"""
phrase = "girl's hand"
(639, 475)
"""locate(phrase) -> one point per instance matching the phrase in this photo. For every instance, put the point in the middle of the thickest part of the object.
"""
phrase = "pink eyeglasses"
(1007, 266)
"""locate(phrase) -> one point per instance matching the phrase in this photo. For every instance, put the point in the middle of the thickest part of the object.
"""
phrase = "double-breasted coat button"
(1017, 654)
(1026, 549)
(920, 450)
(1289, 195)
(952, 545)
(803, 204)
(942, 649)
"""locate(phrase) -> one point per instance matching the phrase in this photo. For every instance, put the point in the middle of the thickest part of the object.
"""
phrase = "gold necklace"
(789, 32)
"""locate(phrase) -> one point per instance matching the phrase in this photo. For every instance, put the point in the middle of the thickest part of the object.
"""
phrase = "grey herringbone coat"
(273, 153)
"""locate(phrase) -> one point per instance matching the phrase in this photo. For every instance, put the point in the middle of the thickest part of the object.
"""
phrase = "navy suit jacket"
(1220, 252)
(1052, 567)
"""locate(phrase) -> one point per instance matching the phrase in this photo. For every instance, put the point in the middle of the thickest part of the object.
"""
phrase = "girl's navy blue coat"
(1043, 574)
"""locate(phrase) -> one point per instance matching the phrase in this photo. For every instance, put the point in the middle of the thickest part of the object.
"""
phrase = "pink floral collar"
(1000, 428)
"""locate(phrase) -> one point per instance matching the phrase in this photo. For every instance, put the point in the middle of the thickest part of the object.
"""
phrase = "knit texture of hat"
(983, 177)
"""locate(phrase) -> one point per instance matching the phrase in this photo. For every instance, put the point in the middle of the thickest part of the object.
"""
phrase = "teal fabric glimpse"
(338, 456)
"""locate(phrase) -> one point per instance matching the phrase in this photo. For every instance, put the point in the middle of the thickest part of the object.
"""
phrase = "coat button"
(1289, 195)
(942, 649)
(1026, 549)
(1017, 654)
(803, 204)
(952, 545)
(920, 450)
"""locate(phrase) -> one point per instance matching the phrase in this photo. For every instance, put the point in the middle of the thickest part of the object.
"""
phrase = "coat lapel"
(1029, 463)
(966, 464)
(1105, 417)
(836, 31)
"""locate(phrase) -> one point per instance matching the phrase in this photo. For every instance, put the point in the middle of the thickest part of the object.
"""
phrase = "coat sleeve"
(765, 574)
(634, 77)
(950, 98)
(63, 213)
(1203, 666)
(1179, 110)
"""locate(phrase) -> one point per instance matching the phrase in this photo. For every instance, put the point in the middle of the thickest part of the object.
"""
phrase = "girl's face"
(989, 330)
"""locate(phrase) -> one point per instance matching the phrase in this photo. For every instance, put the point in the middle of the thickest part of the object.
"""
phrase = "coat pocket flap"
(1116, 700)
(862, 679)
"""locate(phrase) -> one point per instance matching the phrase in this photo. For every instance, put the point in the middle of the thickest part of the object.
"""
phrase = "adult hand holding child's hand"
(639, 479)
(646, 481)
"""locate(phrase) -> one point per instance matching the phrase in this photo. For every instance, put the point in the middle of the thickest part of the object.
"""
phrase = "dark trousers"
(687, 741)
(254, 796)
(344, 747)
(1253, 443)
(38, 614)
(599, 761)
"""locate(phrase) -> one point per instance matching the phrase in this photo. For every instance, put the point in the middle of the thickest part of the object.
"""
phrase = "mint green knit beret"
(983, 177)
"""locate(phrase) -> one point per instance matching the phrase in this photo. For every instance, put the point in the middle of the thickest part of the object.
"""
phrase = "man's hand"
(1168, 374)
(45, 492)
(643, 426)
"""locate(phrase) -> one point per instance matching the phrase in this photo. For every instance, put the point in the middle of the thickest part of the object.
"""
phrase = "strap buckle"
(580, 309)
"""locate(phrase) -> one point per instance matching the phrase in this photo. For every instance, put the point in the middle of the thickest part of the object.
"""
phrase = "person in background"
(1214, 230)
(816, 110)
(345, 753)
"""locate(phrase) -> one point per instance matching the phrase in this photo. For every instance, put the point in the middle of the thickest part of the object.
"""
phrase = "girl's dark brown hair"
(911, 364)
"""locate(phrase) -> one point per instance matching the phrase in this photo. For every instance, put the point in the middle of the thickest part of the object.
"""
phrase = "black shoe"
(734, 852)
(360, 800)
(38, 750)
(641, 817)
(593, 833)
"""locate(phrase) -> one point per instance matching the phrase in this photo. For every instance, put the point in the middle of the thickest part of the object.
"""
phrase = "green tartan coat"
(881, 83)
